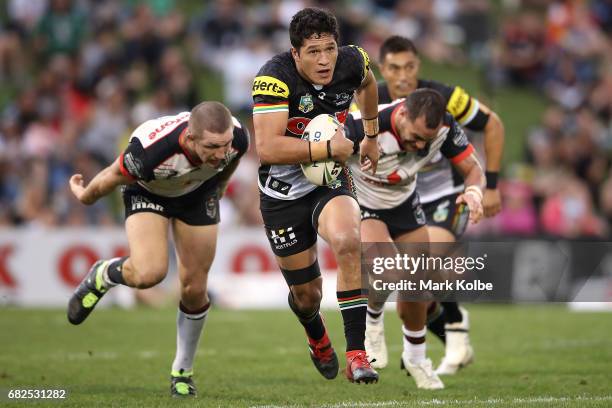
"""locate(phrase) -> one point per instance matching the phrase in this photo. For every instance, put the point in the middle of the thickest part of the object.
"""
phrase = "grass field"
(525, 356)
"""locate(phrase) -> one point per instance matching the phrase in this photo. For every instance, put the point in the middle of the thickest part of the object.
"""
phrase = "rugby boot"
(358, 368)
(181, 385)
(324, 357)
(88, 293)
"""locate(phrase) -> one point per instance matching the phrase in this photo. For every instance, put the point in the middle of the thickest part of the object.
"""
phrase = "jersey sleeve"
(133, 162)
(456, 146)
(271, 88)
(359, 62)
(241, 141)
(459, 103)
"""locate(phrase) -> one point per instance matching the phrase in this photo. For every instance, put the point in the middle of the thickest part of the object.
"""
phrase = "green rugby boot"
(181, 385)
(88, 293)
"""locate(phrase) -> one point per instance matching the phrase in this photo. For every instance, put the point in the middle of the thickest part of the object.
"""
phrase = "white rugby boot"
(423, 374)
(375, 344)
(459, 352)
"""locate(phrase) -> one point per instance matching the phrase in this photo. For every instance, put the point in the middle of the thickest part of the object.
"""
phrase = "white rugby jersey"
(396, 174)
(156, 159)
(438, 178)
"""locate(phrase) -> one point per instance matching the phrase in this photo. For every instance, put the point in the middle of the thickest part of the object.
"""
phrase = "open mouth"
(324, 72)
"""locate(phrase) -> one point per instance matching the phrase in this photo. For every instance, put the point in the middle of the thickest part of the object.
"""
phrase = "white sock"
(375, 320)
(108, 283)
(188, 330)
(415, 352)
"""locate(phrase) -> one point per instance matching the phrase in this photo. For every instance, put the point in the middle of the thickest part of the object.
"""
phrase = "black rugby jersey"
(278, 87)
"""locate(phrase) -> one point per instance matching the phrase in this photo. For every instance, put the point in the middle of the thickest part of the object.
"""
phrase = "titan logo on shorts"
(279, 238)
(267, 85)
(141, 203)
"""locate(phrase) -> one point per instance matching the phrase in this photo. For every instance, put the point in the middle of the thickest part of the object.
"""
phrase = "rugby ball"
(320, 129)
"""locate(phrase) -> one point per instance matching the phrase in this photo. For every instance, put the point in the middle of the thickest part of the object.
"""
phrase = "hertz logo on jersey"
(267, 85)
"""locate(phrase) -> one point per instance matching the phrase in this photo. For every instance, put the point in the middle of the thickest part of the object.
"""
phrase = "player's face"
(316, 58)
(212, 148)
(414, 134)
(400, 70)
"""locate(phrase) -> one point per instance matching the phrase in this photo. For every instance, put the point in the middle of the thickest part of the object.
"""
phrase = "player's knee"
(307, 297)
(149, 276)
(345, 243)
(192, 290)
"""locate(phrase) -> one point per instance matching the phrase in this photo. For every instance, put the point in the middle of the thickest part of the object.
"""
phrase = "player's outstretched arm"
(102, 184)
(367, 101)
(474, 181)
(494, 137)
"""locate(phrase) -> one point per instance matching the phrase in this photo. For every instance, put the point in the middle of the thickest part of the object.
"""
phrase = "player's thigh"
(373, 230)
(195, 249)
(147, 234)
(339, 221)
(419, 235)
(439, 234)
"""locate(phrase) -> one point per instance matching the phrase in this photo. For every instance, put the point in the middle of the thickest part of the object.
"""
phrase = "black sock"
(452, 312)
(436, 320)
(353, 305)
(115, 270)
(312, 322)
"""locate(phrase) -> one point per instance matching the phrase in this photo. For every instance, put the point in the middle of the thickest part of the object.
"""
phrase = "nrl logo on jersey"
(306, 104)
(342, 98)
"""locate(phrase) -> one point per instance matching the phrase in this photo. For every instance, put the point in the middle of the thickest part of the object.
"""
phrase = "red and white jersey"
(157, 160)
(396, 174)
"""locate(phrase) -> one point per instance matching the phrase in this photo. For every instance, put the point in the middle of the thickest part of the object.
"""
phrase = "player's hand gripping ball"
(321, 129)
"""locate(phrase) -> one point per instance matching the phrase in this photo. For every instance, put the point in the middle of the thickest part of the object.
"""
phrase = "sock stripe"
(344, 299)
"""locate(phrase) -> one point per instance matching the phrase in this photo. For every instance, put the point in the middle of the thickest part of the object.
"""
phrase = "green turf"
(525, 356)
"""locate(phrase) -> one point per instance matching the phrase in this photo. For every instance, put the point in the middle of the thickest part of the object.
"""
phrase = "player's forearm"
(101, 185)
(282, 150)
(472, 173)
(494, 143)
(367, 98)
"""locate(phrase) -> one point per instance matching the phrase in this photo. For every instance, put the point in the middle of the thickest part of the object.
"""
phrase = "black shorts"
(444, 213)
(199, 207)
(406, 217)
(292, 225)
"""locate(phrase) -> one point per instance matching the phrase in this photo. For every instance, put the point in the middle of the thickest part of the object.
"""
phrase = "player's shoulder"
(351, 56)
(276, 77)
(445, 89)
(153, 130)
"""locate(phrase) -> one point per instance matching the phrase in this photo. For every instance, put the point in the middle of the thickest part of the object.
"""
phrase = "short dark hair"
(210, 116)
(311, 21)
(395, 44)
(428, 102)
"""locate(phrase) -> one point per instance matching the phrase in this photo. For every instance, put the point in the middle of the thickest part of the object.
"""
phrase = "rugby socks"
(353, 306)
(113, 276)
(452, 312)
(436, 319)
(312, 322)
(414, 345)
(374, 313)
(189, 325)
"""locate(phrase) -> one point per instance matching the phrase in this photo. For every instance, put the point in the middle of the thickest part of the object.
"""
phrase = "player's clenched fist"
(341, 147)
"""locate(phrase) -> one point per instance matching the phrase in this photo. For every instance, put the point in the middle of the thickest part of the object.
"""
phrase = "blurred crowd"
(77, 76)
(564, 50)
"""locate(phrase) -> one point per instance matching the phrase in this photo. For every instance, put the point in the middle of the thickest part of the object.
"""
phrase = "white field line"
(467, 402)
